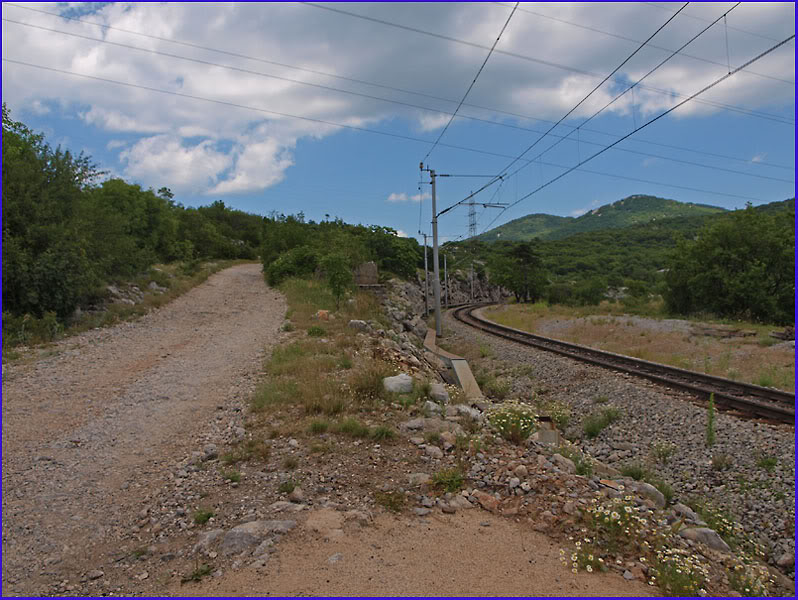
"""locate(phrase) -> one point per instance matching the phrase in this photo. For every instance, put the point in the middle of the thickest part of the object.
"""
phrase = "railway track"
(744, 397)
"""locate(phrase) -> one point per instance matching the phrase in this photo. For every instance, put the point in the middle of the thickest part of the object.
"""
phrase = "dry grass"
(744, 359)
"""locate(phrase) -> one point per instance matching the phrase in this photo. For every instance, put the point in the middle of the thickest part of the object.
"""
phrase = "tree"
(740, 266)
(337, 268)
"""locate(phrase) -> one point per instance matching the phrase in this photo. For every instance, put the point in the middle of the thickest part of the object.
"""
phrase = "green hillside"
(634, 210)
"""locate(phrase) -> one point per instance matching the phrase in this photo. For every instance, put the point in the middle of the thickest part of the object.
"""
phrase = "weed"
(286, 487)
(601, 400)
(392, 501)
(582, 462)
(287, 326)
(202, 516)
(485, 351)
(596, 422)
(721, 461)
(557, 411)
(433, 437)
(662, 451)
(233, 476)
(383, 433)
(320, 448)
(496, 388)
(750, 579)
(635, 471)
(244, 451)
(679, 573)
(316, 331)
(319, 426)
(366, 383)
(345, 362)
(449, 480)
(198, 573)
(514, 421)
(767, 462)
(290, 463)
(711, 420)
(352, 428)
(273, 392)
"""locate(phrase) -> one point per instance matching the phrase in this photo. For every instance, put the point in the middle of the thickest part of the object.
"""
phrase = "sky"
(294, 107)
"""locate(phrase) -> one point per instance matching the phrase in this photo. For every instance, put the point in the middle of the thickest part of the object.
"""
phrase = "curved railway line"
(751, 399)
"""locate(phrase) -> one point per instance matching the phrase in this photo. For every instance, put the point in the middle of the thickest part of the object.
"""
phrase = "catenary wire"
(470, 87)
(407, 104)
(339, 125)
(378, 85)
(650, 121)
(547, 63)
(618, 36)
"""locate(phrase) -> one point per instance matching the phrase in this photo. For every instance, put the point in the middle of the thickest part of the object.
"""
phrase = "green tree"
(338, 270)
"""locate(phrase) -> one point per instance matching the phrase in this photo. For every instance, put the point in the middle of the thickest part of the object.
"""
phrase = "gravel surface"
(92, 427)
(762, 499)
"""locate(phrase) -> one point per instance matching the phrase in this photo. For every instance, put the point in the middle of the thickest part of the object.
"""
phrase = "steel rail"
(752, 399)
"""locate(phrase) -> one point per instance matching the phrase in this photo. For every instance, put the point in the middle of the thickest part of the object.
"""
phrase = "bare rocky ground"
(114, 445)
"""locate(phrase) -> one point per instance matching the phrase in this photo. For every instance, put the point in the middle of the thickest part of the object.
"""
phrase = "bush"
(449, 480)
(298, 262)
(515, 422)
(596, 422)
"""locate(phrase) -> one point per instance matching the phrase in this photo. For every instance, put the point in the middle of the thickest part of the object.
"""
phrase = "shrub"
(449, 480)
(393, 501)
(383, 433)
(316, 331)
(514, 421)
(203, 516)
(319, 426)
(596, 422)
(297, 262)
(353, 428)
(286, 487)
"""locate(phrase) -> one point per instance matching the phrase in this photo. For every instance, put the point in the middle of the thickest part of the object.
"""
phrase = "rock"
(94, 574)
(209, 452)
(439, 393)
(463, 410)
(460, 502)
(293, 443)
(448, 509)
(433, 451)
(417, 440)
(486, 501)
(412, 424)
(245, 536)
(207, 538)
(282, 505)
(649, 491)
(786, 560)
(565, 464)
(427, 502)
(362, 517)
(415, 479)
(322, 315)
(680, 510)
(706, 536)
(400, 384)
(628, 575)
(432, 408)
(448, 439)
(421, 512)
(514, 482)
(335, 558)
(264, 547)
(359, 325)
(521, 471)
(297, 495)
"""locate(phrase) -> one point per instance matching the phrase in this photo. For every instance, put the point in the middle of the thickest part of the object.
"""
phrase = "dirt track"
(90, 430)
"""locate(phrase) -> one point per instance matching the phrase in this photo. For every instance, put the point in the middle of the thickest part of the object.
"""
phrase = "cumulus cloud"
(223, 149)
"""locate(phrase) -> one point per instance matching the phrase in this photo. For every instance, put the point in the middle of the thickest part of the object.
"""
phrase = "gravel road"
(90, 428)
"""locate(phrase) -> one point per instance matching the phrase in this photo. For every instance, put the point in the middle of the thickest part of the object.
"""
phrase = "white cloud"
(759, 157)
(234, 150)
(401, 233)
(403, 197)
(114, 144)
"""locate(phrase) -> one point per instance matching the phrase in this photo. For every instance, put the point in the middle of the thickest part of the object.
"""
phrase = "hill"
(633, 210)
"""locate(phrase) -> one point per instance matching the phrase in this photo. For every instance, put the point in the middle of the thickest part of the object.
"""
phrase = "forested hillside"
(633, 210)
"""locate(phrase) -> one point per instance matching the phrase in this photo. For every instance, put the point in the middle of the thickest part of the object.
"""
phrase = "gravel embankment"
(760, 494)
(92, 430)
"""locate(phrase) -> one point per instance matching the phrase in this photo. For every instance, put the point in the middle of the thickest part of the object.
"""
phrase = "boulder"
(418, 479)
(432, 408)
(486, 501)
(438, 393)
(359, 325)
(433, 451)
(400, 384)
(649, 491)
(707, 536)
(564, 464)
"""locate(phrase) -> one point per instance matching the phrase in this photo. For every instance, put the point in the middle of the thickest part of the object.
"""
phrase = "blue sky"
(736, 144)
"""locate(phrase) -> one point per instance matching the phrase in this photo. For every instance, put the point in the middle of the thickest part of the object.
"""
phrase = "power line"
(547, 63)
(636, 41)
(759, 35)
(492, 48)
(566, 115)
(467, 117)
(359, 81)
(649, 122)
(321, 121)
(617, 97)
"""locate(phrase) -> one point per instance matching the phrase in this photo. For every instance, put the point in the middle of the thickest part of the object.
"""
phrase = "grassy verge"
(610, 327)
